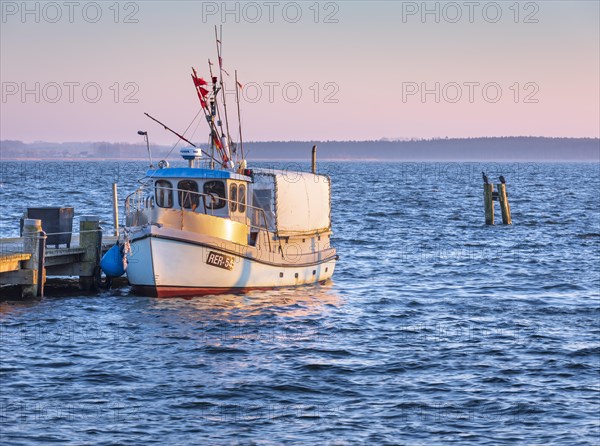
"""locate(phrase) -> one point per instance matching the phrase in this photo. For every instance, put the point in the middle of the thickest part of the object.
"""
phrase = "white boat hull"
(167, 267)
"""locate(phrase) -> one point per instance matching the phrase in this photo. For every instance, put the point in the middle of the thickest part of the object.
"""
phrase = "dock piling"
(115, 208)
(504, 206)
(90, 239)
(488, 201)
(34, 243)
(489, 196)
(314, 160)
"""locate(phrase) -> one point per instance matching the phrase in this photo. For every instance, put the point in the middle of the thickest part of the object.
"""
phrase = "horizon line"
(384, 139)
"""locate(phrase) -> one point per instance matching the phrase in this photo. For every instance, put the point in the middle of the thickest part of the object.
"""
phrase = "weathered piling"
(90, 239)
(504, 206)
(314, 160)
(488, 201)
(34, 243)
(115, 198)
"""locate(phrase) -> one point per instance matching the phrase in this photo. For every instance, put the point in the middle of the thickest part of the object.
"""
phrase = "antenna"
(145, 135)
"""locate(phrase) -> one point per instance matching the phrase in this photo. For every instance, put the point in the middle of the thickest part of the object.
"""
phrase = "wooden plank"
(12, 262)
(67, 269)
(63, 252)
(20, 277)
(63, 260)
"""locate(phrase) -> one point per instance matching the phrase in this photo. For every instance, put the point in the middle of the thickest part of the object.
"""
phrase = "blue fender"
(112, 262)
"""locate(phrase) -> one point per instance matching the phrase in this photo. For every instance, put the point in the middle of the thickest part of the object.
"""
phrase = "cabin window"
(242, 198)
(262, 199)
(164, 197)
(188, 194)
(214, 197)
(233, 190)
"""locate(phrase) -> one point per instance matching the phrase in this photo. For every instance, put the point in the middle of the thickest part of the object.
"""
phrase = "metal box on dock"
(56, 221)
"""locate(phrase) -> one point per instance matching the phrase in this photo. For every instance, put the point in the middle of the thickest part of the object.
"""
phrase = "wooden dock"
(27, 261)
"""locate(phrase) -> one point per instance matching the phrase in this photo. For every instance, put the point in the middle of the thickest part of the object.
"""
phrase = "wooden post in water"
(90, 239)
(115, 198)
(34, 243)
(314, 160)
(488, 201)
(503, 199)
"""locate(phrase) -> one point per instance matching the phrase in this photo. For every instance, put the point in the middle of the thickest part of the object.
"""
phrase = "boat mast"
(227, 143)
(209, 113)
(218, 109)
(211, 137)
(212, 118)
(237, 99)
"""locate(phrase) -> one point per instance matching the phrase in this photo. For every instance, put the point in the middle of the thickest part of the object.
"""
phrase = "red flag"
(203, 90)
(202, 101)
(198, 81)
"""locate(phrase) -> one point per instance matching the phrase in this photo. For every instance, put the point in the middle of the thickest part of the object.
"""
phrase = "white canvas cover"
(299, 201)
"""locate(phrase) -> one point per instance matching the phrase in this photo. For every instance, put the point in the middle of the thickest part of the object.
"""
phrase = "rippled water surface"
(435, 329)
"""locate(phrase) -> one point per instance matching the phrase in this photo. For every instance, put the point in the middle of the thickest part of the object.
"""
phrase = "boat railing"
(139, 200)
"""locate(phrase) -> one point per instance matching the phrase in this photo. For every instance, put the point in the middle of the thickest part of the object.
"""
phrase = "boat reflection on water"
(229, 323)
(291, 302)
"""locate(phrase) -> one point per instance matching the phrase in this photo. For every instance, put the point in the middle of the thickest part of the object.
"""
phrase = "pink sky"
(359, 78)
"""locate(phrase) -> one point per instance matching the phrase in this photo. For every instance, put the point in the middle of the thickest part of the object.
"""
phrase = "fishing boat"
(220, 226)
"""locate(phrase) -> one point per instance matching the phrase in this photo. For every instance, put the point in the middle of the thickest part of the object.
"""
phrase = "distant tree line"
(439, 149)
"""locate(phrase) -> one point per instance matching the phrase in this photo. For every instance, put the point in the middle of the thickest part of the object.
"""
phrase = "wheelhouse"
(214, 192)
